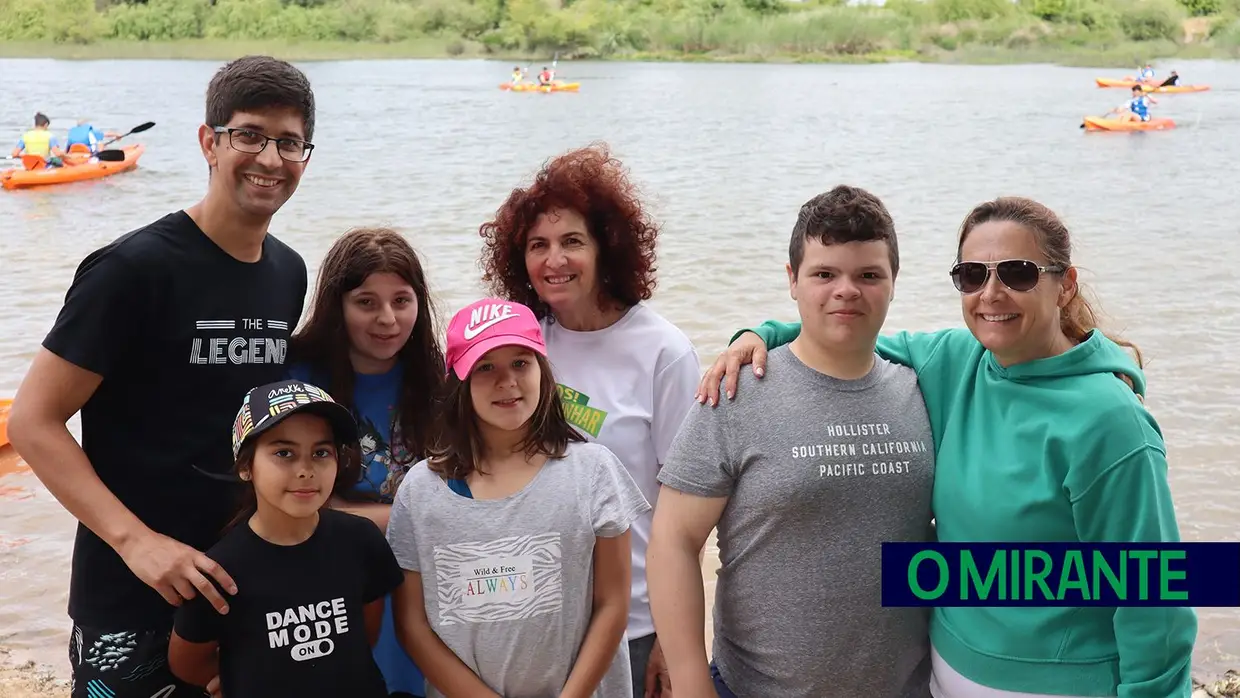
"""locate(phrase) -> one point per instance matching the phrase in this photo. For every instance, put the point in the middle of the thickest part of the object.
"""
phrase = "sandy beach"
(28, 680)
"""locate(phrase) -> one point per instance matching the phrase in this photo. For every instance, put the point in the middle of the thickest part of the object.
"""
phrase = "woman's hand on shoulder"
(748, 348)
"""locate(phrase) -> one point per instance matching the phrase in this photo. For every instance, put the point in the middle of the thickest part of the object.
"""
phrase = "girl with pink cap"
(515, 533)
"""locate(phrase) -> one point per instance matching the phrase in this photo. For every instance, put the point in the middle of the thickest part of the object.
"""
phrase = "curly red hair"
(594, 184)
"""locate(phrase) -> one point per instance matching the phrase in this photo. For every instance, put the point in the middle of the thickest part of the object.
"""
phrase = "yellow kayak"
(556, 86)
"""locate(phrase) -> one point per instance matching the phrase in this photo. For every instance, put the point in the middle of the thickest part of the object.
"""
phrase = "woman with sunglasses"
(1036, 440)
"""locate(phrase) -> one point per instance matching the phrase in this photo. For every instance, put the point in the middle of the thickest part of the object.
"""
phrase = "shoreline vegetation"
(1117, 34)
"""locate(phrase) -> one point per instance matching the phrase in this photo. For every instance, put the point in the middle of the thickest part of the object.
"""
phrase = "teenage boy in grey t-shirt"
(805, 473)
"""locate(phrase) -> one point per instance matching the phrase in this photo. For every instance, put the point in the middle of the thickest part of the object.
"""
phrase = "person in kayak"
(86, 134)
(193, 309)
(545, 77)
(1137, 108)
(1172, 80)
(517, 75)
(1146, 74)
(40, 141)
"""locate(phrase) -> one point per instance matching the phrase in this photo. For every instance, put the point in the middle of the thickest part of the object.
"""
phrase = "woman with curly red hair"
(578, 248)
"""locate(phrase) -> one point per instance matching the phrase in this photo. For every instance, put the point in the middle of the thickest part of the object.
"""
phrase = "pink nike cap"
(486, 324)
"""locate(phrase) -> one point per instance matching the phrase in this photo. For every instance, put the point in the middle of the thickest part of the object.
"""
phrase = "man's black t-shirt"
(179, 330)
(296, 626)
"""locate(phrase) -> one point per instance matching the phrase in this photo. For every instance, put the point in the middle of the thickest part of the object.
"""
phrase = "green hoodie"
(1057, 449)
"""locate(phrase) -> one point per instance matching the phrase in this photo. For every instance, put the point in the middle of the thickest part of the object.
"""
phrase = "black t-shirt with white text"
(180, 330)
(295, 626)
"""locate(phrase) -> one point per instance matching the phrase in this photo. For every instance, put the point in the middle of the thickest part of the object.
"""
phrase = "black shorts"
(124, 664)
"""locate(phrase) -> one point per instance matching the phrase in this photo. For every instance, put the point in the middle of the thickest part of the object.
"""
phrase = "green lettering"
(1015, 567)
(1143, 577)
(1073, 563)
(969, 575)
(915, 586)
(1118, 584)
(1166, 575)
(1038, 577)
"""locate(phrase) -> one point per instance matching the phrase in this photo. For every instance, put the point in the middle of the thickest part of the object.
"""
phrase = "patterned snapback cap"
(268, 405)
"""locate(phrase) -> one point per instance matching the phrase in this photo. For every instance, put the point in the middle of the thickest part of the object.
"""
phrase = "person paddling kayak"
(517, 75)
(40, 141)
(1137, 108)
(1172, 80)
(545, 77)
(86, 134)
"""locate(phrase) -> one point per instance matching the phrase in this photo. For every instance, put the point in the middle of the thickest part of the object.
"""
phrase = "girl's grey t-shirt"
(508, 583)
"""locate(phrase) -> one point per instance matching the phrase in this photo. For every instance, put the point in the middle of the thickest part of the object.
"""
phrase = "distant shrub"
(1149, 20)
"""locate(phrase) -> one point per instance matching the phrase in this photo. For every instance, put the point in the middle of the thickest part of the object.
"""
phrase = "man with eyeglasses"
(162, 333)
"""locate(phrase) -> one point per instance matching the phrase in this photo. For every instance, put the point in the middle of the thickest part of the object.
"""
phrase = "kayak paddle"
(136, 129)
(33, 162)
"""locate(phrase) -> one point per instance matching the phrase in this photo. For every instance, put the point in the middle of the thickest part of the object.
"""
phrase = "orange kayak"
(1101, 123)
(1108, 82)
(5, 404)
(556, 86)
(10, 462)
(76, 169)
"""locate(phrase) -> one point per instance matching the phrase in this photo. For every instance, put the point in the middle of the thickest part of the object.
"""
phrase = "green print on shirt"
(578, 412)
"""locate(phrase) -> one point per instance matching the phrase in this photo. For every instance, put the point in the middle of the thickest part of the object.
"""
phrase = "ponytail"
(1077, 320)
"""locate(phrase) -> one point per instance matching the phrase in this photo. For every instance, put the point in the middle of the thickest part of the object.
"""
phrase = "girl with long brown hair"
(370, 341)
(514, 533)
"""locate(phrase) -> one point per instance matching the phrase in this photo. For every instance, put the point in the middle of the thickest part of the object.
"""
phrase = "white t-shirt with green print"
(628, 387)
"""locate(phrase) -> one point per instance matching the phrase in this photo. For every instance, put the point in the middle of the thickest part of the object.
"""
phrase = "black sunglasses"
(1017, 274)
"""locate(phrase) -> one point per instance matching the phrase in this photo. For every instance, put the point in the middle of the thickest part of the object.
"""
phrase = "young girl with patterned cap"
(310, 580)
(514, 533)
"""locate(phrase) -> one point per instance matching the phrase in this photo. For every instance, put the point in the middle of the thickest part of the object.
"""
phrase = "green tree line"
(617, 28)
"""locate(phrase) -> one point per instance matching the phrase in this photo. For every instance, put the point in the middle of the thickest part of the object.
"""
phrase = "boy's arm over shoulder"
(1119, 492)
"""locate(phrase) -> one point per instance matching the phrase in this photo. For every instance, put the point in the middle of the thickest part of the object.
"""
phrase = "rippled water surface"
(726, 154)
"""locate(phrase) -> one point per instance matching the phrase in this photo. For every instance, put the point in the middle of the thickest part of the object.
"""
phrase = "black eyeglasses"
(1017, 274)
(246, 141)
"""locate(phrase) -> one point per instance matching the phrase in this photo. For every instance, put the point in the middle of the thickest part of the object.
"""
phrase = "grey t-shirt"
(508, 582)
(820, 472)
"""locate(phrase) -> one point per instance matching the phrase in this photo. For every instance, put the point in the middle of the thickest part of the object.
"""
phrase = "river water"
(726, 155)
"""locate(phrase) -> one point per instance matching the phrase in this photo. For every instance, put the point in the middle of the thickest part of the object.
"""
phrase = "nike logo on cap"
(482, 318)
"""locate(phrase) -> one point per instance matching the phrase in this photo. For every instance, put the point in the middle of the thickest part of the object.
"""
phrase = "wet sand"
(28, 680)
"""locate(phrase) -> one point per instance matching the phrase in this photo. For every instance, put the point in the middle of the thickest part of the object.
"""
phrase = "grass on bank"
(1102, 33)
